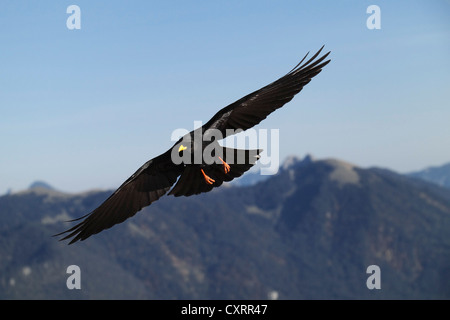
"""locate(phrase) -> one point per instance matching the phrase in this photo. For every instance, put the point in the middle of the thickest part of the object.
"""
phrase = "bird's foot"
(208, 179)
(226, 166)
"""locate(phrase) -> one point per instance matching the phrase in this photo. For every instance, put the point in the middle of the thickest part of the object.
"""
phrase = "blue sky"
(83, 109)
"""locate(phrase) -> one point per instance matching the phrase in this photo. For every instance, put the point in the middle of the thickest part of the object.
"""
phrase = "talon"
(226, 166)
(208, 179)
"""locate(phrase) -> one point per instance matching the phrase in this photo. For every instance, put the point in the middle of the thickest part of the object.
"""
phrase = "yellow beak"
(181, 148)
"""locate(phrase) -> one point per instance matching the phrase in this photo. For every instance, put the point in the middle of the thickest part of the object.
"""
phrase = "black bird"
(156, 176)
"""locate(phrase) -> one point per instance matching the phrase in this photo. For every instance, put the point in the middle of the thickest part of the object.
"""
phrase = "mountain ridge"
(439, 175)
(305, 233)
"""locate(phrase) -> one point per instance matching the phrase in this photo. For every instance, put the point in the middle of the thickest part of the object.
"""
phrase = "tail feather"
(192, 181)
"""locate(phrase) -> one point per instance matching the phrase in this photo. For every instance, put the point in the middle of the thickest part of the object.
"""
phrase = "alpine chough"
(196, 175)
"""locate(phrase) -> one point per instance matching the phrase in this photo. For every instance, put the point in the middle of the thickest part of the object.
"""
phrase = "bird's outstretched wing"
(146, 185)
(256, 106)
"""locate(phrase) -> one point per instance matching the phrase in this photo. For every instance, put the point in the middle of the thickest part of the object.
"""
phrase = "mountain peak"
(343, 172)
(40, 185)
(294, 160)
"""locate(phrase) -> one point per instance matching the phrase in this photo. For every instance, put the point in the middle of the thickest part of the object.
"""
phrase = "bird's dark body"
(197, 163)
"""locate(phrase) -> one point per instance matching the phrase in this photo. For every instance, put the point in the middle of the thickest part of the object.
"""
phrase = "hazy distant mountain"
(309, 232)
(439, 175)
(40, 184)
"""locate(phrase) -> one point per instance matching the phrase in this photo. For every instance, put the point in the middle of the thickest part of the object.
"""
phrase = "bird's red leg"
(226, 166)
(208, 179)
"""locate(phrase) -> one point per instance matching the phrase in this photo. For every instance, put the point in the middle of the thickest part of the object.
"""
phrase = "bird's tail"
(192, 180)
